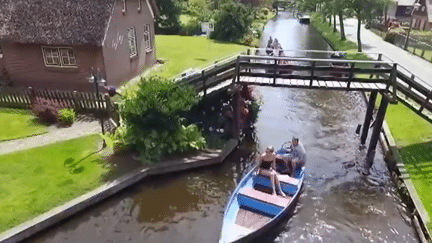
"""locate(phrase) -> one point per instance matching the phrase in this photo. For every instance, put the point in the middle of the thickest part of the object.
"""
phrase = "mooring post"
(368, 117)
(376, 132)
(236, 116)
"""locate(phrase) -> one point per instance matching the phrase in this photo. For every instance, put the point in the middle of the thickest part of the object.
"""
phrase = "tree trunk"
(358, 32)
(342, 29)
(330, 21)
(334, 23)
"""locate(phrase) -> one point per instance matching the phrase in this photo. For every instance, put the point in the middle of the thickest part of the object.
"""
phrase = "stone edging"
(82, 202)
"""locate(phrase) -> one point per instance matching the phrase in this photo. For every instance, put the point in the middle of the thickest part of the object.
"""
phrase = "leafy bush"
(154, 122)
(232, 22)
(193, 27)
(46, 110)
(66, 116)
(265, 11)
(392, 33)
(168, 21)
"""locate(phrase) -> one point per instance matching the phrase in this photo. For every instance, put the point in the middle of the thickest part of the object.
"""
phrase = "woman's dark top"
(266, 164)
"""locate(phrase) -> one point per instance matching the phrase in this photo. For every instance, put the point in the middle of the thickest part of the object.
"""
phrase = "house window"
(1, 52)
(132, 42)
(147, 37)
(139, 5)
(59, 56)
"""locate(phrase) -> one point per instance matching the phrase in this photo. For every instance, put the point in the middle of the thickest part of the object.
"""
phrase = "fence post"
(32, 96)
(393, 79)
(76, 101)
(237, 69)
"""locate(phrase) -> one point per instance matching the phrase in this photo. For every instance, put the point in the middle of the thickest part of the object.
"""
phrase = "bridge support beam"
(376, 132)
(368, 117)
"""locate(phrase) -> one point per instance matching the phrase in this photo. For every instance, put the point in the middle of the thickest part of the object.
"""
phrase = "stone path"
(374, 43)
(84, 125)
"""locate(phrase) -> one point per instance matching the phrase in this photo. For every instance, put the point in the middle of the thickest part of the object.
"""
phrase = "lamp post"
(97, 79)
(416, 6)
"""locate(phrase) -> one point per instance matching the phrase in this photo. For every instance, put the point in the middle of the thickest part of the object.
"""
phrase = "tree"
(362, 9)
(232, 21)
(168, 22)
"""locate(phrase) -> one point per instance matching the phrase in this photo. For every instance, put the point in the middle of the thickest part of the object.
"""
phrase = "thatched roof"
(55, 22)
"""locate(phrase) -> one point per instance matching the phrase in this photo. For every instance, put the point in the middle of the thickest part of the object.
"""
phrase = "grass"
(184, 52)
(427, 55)
(412, 133)
(17, 123)
(36, 180)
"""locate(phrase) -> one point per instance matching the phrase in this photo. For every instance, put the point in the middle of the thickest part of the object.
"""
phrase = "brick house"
(53, 44)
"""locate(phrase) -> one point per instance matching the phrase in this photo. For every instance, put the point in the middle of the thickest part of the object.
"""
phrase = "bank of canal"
(338, 203)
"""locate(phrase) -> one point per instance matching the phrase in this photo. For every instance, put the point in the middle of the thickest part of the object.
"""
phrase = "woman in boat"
(267, 167)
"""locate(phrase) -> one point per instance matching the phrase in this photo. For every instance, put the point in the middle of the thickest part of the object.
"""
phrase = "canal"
(338, 203)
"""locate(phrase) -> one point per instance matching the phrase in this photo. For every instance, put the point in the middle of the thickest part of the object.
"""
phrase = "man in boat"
(296, 157)
(267, 167)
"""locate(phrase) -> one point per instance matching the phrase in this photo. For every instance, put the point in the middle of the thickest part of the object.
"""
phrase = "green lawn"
(183, 52)
(36, 180)
(427, 55)
(412, 134)
(17, 123)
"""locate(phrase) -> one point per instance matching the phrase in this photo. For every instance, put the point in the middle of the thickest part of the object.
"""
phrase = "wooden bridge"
(299, 70)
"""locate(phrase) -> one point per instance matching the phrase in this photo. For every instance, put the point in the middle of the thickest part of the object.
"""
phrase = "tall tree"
(362, 9)
(169, 20)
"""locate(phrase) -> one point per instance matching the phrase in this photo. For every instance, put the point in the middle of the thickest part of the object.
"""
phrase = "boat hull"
(258, 215)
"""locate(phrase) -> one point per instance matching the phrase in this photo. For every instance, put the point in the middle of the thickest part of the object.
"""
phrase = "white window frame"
(59, 53)
(132, 43)
(124, 7)
(147, 37)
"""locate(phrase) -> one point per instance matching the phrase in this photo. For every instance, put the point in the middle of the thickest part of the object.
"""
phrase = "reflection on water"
(337, 204)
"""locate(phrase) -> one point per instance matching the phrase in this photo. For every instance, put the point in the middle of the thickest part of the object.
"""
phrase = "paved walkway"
(373, 43)
(84, 125)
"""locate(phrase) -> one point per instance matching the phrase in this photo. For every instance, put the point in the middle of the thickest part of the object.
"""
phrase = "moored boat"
(251, 210)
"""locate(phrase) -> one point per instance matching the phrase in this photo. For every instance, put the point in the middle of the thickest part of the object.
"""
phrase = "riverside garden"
(156, 113)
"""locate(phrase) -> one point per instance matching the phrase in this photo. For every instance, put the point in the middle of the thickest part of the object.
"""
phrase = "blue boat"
(251, 211)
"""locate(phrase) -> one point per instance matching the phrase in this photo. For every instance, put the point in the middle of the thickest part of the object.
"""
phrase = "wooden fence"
(81, 102)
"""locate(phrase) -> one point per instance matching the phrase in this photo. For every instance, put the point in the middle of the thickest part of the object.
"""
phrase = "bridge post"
(368, 117)
(204, 84)
(376, 132)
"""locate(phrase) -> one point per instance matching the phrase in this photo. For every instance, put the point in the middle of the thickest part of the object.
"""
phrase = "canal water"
(338, 203)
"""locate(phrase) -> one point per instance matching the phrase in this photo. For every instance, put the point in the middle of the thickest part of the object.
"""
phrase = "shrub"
(193, 27)
(154, 122)
(232, 21)
(265, 11)
(46, 110)
(66, 116)
(392, 33)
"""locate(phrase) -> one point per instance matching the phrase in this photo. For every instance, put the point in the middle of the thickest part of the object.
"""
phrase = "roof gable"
(55, 22)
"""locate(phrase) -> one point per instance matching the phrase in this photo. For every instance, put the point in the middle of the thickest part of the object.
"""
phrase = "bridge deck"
(299, 83)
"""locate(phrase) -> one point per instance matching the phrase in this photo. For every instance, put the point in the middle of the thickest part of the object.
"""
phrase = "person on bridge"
(267, 168)
(269, 46)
